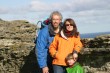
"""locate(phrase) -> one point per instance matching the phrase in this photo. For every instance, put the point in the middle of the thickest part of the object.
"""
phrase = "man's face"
(56, 20)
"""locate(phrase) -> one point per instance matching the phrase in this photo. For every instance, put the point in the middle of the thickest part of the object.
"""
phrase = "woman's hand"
(75, 56)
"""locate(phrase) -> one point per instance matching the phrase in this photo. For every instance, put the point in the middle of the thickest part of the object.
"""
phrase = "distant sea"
(93, 35)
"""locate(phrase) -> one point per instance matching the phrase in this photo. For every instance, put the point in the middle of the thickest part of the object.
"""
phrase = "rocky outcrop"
(16, 45)
(95, 57)
(102, 41)
(17, 50)
(95, 60)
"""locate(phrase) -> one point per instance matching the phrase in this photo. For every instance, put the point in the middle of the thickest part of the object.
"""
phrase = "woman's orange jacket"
(61, 47)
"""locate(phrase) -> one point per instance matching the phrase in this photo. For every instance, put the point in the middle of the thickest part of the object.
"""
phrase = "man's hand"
(45, 70)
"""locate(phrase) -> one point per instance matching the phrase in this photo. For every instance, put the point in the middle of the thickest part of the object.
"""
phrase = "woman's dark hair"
(71, 21)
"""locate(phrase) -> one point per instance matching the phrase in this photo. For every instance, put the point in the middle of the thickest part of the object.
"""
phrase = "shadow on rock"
(95, 59)
(30, 65)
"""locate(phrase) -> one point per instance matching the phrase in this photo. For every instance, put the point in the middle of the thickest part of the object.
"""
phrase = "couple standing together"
(55, 42)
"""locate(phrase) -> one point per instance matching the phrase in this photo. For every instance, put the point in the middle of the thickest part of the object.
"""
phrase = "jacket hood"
(62, 35)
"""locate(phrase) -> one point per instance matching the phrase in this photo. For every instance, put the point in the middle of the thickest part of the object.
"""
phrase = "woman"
(67, 41)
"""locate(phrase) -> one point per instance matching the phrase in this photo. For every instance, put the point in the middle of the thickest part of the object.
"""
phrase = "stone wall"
(17, 50)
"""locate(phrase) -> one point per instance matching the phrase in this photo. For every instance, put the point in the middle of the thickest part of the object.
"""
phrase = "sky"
(90, 15)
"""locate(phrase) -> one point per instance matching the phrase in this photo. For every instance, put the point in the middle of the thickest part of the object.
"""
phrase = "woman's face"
(69, 27)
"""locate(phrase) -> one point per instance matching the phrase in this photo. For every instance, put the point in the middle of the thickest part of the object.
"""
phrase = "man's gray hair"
(55, 13)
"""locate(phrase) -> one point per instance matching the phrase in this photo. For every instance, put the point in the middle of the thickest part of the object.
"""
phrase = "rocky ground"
(17, 50)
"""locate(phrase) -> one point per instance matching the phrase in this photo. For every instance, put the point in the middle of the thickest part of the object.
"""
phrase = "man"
(44, 39)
